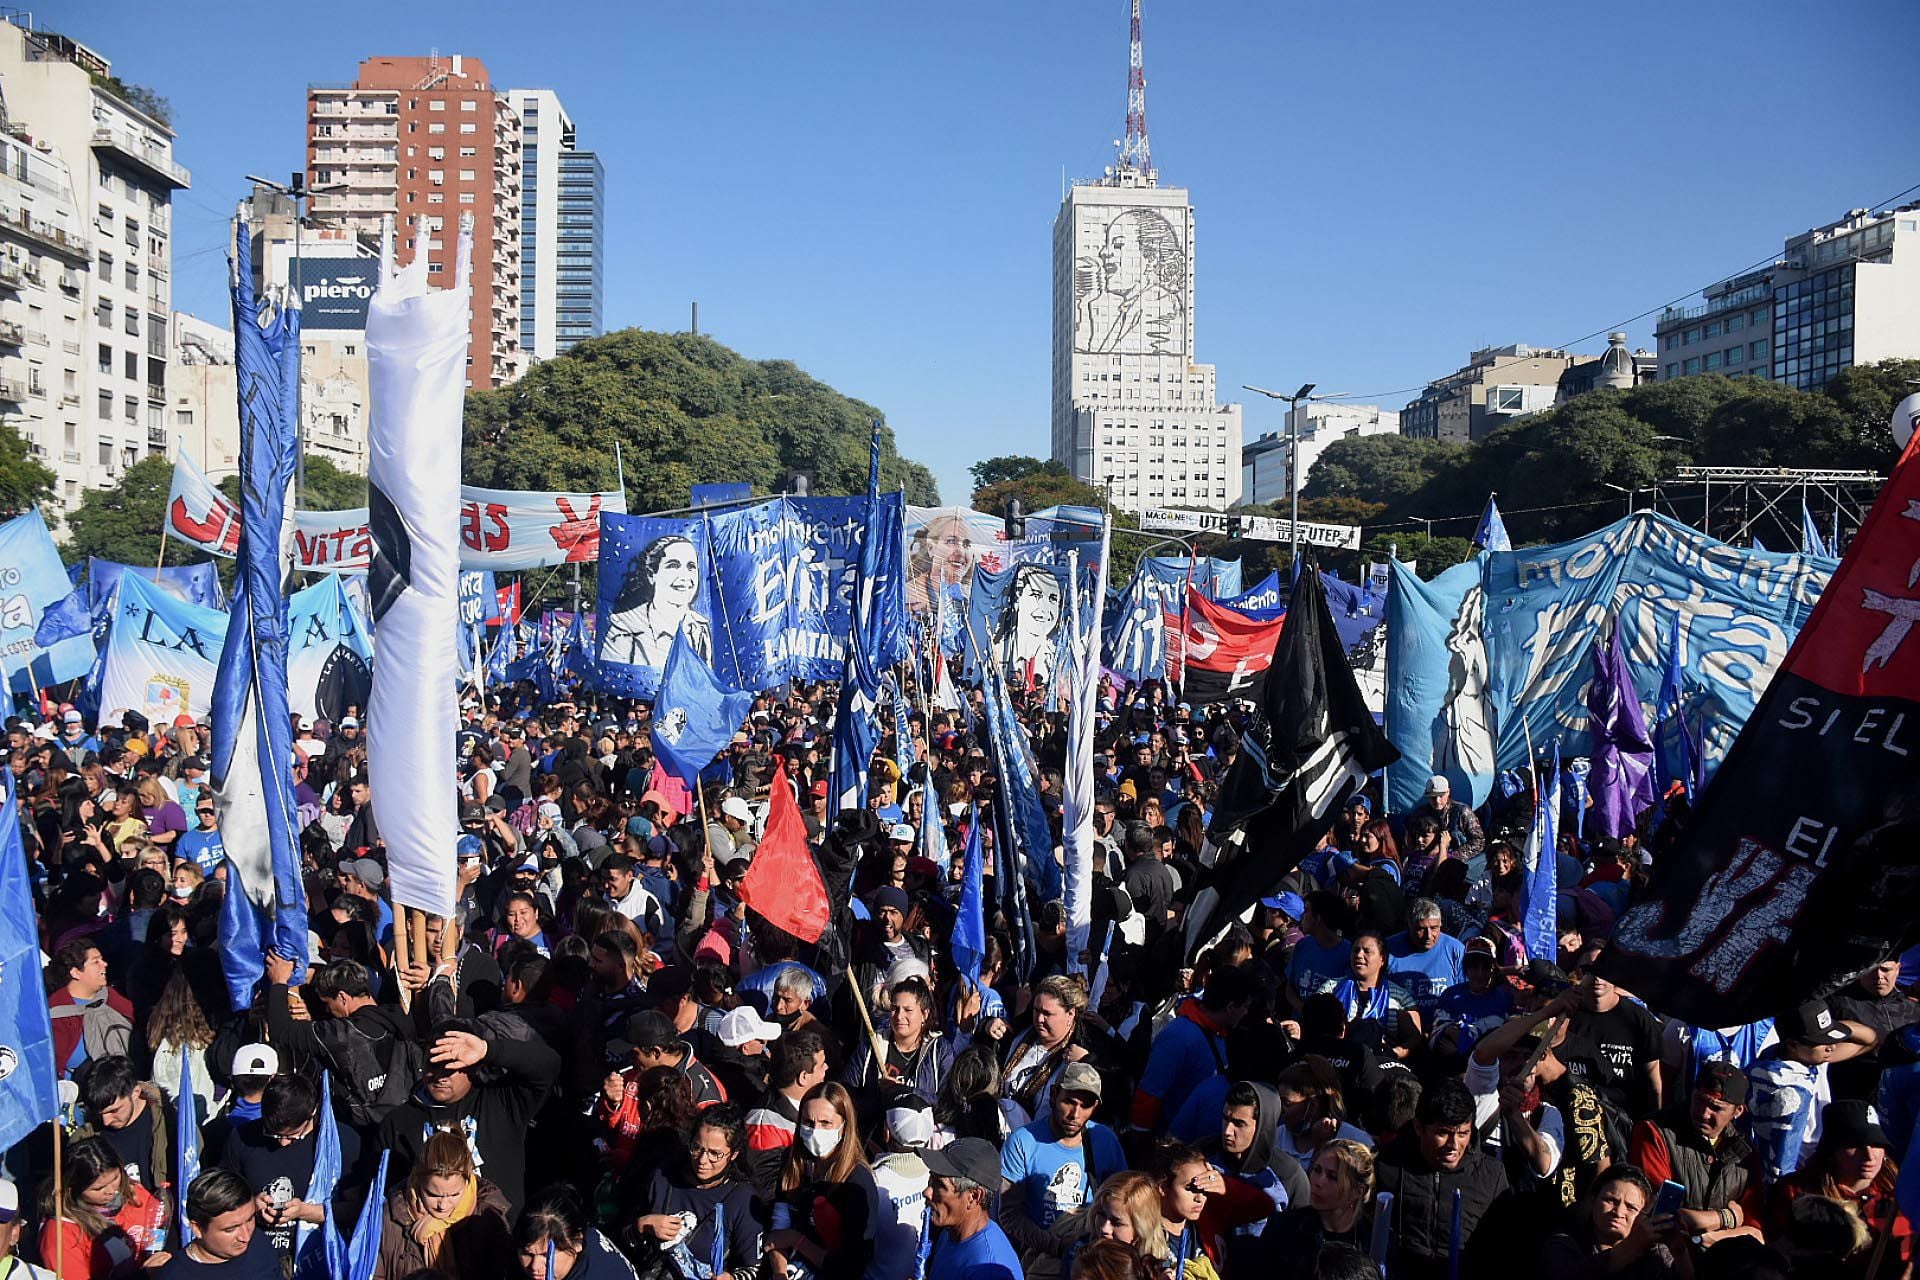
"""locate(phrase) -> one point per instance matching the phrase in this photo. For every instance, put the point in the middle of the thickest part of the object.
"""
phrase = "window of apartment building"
(132, 407)
(132, 365)
(106, 453)
(1692, 366)
(433, 268)
(132, 324)
(1673, 370)
(1711, 329)
(183, 417)
(437, 126)
(133, 277)
(434, 153)
(105, 361)
(103, 314)
(1736, 355)
(436, 176)
(1758, 319)
(467, 152)
(106, 406)
(1690, 337)
(469, 126)
(436, 104)
(1713, 361)
(436, 197)
(133, 232)
(1736, 321)
(469, 105)
(466, 197)
(466, 175)
(1757, 350)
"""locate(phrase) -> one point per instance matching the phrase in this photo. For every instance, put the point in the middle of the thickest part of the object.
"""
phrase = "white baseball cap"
(901, 833)
(743, 1024)
(256, 1060)
(736, 808)
(9, 1201)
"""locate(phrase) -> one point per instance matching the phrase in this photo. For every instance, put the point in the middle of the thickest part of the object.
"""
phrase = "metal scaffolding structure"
(1747, 504)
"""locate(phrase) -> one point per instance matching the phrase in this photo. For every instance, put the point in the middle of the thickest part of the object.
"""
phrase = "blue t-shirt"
(1315, 968)
(204, 848)
(1056, 1180)
(986, 1255)
(1459, 1004)
(1425, 974)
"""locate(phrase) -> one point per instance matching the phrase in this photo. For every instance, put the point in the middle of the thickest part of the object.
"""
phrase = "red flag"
(783, 884)
(671, 792)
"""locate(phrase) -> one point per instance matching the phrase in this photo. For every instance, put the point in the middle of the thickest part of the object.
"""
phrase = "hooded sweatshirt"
(1264, 1168)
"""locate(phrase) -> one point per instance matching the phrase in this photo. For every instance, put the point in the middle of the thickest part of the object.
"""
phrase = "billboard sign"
(334, 292)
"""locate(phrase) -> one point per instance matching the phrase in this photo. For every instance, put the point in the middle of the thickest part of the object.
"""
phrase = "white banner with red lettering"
(499, 528)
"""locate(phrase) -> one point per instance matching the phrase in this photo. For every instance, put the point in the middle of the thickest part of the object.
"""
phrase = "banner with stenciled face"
(653, 587)
(162, 654)
(944, 546)
(784, 574)
(1016, 619)
(1496, 653)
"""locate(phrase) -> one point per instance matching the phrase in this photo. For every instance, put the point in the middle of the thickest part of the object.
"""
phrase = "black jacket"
(1423, 1207)
(495, 1115)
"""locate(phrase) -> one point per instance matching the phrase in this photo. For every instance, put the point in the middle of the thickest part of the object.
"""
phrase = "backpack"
(372, 1074)
(104, 1030)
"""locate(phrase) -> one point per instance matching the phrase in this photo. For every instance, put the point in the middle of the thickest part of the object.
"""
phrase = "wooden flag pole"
(59, 1197)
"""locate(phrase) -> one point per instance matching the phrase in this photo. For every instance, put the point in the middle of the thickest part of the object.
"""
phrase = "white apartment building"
(562, 212)
(1133, 413)
(86, 246)
(1263, 462)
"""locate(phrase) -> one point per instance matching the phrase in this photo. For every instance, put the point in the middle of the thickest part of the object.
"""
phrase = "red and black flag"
(1800, 866)
(1218, 653)
(1310, 745)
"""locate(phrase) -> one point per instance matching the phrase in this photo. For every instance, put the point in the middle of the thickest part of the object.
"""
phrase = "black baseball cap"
(1722, 1080)
(971, 1158)
(1811, 1023)
(1851, 1122)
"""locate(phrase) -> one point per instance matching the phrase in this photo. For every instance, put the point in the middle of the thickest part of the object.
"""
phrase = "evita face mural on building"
(1130, 291)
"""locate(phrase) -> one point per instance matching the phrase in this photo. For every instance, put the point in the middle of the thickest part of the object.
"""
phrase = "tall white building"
(87, 178)
(1134, 413)
(561, 228)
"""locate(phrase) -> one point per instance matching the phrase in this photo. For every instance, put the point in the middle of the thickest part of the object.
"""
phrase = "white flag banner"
(1076, 817)
(416, 358)
(500, 529)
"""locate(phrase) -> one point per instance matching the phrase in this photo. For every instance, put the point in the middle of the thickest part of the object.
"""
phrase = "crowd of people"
(606, 1065)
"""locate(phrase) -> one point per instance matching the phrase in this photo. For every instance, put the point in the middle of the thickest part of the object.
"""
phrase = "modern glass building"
(562, 206)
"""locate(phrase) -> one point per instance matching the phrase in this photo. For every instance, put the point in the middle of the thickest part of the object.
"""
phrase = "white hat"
(736, 808)
(1438, 785)
(9, 1201)
(901, 832)
(743, 1024)
(548, 809)
(256, 1060)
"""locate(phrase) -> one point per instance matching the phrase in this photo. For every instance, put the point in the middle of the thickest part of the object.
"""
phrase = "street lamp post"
(296, 189)
(1294, 402)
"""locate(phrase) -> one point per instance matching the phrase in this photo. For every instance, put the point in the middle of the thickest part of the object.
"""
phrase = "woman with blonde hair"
(826, 1204)
(446, 1217)
(1340, 1180)
(166, 820)
(1126, 1209)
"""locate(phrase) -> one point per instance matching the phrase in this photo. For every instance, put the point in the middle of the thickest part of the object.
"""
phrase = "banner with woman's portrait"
(653, 586)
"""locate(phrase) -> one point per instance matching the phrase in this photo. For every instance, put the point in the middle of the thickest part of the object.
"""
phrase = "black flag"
(1800, 866)
(1311, 744)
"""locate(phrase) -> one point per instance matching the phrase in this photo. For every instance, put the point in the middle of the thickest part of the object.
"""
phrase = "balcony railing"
(157, 436)
(12, 274)
(74, 248)
(153, 159)
(11, 334)
(1727, 302)
(13, 390)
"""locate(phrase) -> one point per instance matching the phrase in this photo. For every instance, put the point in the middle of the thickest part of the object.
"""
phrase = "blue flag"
(855, 733)
(970, 923)
(903, 750)
(186, 1142)
(68, 617)
(1811, 543)
(694, 715)
(1029, 848)
(351, 1259)
(252, 736)
(1135, 643)
(1674, 754)
(1541, 930)
(1492, 533)
(27, 1096)
(325, 1178)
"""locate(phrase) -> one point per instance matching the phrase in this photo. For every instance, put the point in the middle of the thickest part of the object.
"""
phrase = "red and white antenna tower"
(1135, 153)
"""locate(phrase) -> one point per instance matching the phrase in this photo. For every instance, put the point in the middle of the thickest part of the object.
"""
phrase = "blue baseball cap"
(1291, 905)
(469, 847)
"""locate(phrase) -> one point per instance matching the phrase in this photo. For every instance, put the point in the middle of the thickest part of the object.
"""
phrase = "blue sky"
(867, 187)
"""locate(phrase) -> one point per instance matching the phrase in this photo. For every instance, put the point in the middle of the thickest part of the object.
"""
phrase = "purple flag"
(1622, 778)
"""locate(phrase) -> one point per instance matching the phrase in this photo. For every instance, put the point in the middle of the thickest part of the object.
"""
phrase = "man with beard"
(1053, 1166)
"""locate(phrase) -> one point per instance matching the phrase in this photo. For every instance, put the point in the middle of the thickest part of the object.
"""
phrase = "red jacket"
(66, 1031)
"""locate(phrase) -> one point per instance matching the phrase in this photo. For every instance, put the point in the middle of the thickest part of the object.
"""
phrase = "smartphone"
(1670, 1199)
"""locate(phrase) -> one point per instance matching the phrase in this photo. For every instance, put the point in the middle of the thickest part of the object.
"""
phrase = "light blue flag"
(252, 736)
(1492, 533)
(933, 834)
(186, 1141)
(354, 1258)
(855, 732)
(1811, 543)
(694, 715)
(70, 616)
(1674, 753)
(310, 1250)
(970, 923)
(1135, 642)
(903, 749)
(1540, 924)
(27, 1091)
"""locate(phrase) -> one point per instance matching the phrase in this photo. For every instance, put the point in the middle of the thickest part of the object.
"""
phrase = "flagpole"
(400, 956)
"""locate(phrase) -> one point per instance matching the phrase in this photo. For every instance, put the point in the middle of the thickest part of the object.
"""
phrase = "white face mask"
(818, 1143)
(183, 891)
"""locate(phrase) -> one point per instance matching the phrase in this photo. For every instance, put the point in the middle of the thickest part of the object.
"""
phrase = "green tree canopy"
(682, 410)
(23, 481)
(1012, 466)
